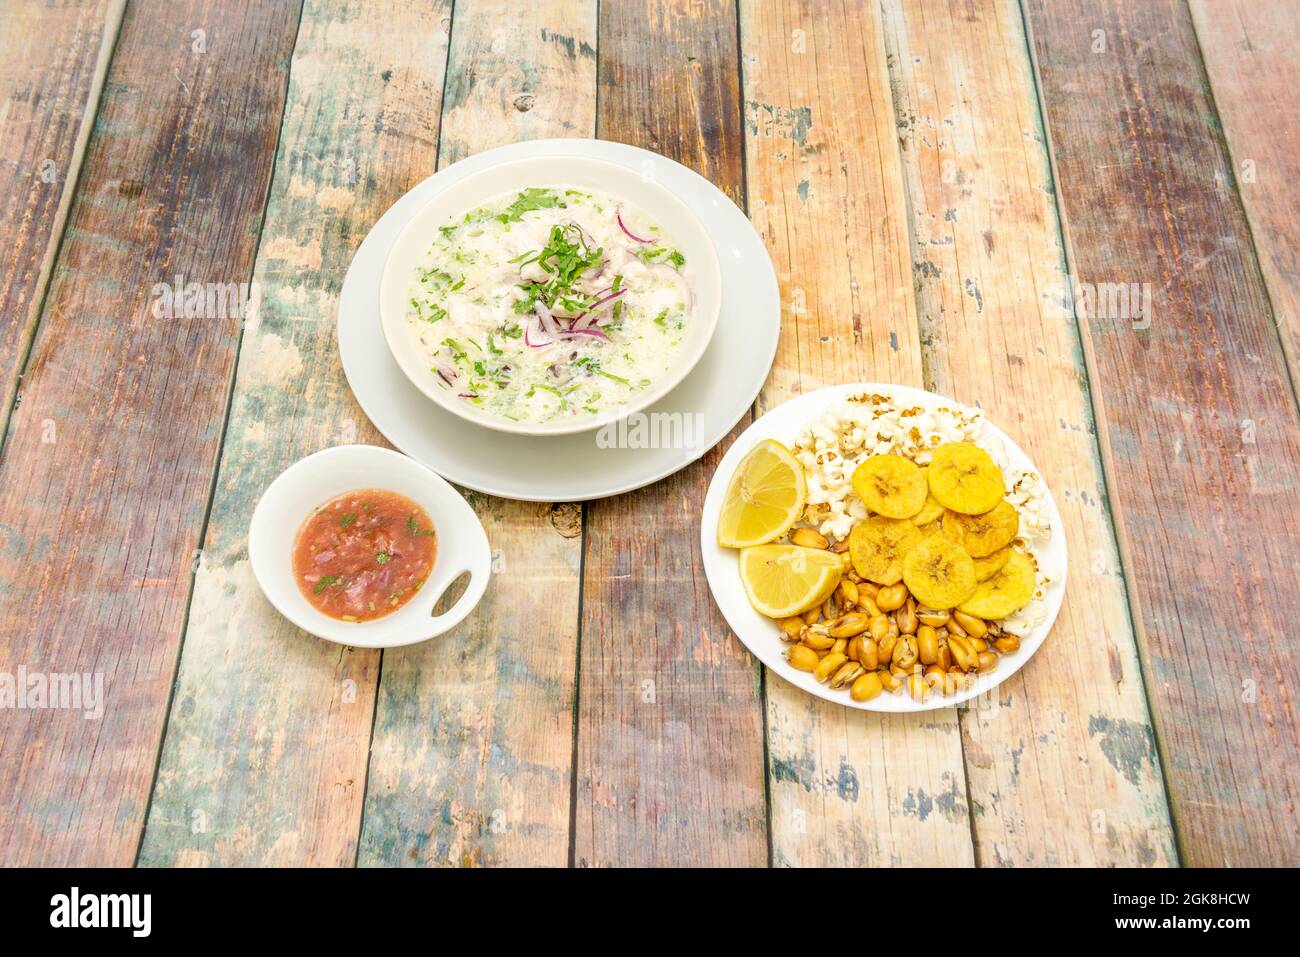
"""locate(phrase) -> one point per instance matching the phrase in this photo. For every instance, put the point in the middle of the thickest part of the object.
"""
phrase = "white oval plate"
(703, 408)
(759, 633)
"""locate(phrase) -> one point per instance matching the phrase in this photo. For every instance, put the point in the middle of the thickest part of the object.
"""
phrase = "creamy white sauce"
(538, 306)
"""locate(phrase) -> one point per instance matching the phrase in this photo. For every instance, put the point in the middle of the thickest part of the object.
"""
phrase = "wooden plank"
(108, 469)
(53, 59)
(826, 191)
(472, 758)
(670, 729)
(1197, 418)
(1065, 747)
(265, 756)
(1249, 48)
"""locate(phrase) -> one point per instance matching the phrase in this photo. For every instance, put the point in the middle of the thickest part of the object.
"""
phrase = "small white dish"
(759, 634)
(566, 468)
(462, 545)
(580, 172)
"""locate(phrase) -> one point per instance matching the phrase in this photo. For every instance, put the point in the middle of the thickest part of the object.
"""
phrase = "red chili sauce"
(363, 554)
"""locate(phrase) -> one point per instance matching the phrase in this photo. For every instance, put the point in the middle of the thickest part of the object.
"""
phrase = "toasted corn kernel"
(812, 615)
(889, 681)
(870, 589)
(848, 593)
(905, 651)
(846, 675)
(791, 627)
(841, 647)
(975, 627)
(944, 660)
(848, 566)
(962, 653)
(801, 657)
(829, 610)
(1007, 643)
(979, 644)
(954, 628)
(891, 598)
(927, 645)
(848, 626)
(986, 662)
(886, 644)
(868, 653)
(931, 617)
(817, 640)
(906, 617)
(878, 626)
(866, 687)
(809, 538)
(841, 547)
(828, 666)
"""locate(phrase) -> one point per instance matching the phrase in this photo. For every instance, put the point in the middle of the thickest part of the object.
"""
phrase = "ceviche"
(551, 303)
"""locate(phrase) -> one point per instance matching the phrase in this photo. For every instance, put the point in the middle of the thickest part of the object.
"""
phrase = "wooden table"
(1079, 214)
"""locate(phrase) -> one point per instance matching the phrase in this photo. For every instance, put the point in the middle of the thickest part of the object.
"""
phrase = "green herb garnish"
(347, 519)
(535, 197)
(414, 527)
(325, 582)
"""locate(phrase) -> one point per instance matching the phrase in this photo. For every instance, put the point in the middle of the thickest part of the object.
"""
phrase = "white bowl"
(462, 545)
(583, 172)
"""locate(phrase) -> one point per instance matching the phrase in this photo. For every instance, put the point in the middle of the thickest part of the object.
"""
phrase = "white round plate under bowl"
(687, 233)
(759, 633)
(701, 410)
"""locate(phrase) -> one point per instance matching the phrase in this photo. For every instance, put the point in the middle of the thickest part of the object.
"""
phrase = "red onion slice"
(597, 333)
(548, 321)
(630, 235)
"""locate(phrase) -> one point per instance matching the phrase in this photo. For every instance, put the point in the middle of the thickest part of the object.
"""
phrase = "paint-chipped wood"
(53, 59)
(108, 468)
(670, 731)
(265, 756)
(990, 271)
(1249, 47)
(1197, 417)
(473, 743)
(848, 788)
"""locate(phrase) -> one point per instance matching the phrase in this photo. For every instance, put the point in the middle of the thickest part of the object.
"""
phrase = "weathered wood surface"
(53, 59)
(670, 727)
(264, 761)
(108, 469)
(472, 758)
(1249, 48)
(1196, 413)
(826, 193)
(893, 158)
(1065, 747)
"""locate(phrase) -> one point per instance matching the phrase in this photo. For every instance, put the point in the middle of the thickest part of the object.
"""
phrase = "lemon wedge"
(766, 496)
(785, 580)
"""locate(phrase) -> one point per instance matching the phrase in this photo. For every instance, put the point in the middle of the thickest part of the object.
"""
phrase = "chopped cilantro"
(347, 519)
(325, 582)
(534, 197)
